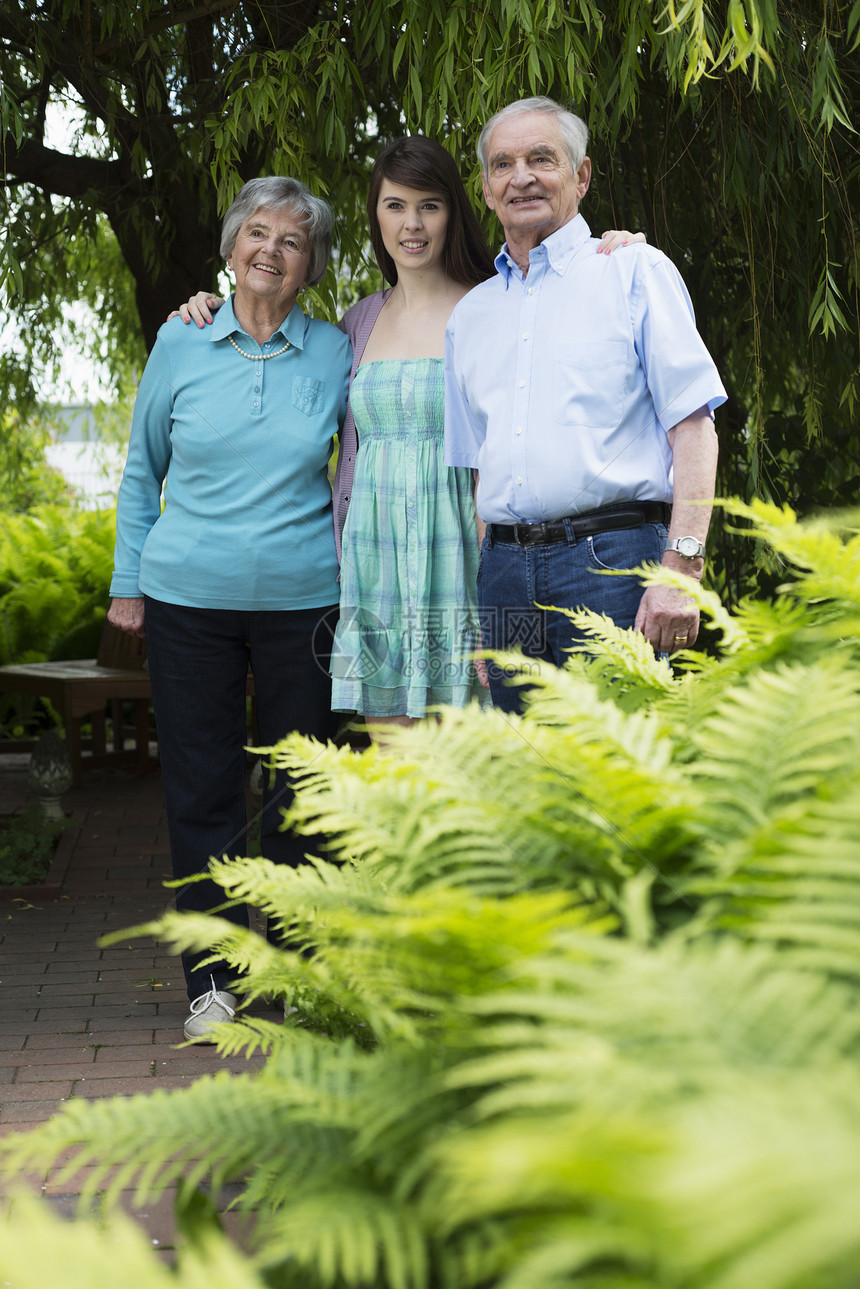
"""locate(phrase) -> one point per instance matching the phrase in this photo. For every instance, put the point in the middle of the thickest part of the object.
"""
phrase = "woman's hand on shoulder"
(200, 308)
(127, 615)
(615, 237)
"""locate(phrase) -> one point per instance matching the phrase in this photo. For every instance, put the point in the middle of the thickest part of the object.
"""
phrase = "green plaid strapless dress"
(408, 615)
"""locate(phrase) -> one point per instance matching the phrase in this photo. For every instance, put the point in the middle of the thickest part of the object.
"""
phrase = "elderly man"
(579, 390)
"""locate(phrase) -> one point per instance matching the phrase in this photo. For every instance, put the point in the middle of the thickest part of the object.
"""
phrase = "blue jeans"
(198, 662)
(513, 580)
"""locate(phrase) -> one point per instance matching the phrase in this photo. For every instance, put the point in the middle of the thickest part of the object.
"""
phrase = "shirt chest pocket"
(591, 383)
(308, 394)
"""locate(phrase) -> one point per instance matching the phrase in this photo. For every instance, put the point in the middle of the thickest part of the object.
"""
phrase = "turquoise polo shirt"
(240, 446)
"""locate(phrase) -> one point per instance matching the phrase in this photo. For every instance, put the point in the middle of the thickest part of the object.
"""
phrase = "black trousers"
(199, 660)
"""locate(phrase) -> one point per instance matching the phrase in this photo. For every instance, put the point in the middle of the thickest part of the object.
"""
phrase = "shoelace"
(200, 1004)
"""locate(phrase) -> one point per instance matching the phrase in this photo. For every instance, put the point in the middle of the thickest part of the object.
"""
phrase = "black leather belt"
(628, 514)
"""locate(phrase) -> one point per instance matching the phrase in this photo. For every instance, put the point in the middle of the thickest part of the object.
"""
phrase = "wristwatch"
(688, 547)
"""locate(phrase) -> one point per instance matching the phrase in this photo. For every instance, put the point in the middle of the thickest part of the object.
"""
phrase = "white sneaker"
(213, 1008)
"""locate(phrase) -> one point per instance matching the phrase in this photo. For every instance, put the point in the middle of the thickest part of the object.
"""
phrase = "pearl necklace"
(263, 357)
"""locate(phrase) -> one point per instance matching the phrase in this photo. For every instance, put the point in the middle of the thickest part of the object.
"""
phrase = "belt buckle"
(530, 534)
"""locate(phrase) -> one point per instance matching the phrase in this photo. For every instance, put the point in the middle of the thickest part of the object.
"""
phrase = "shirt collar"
(557, 250)
(293, 328)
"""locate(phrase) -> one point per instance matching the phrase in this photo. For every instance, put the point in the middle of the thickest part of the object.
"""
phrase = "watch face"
(688, 546)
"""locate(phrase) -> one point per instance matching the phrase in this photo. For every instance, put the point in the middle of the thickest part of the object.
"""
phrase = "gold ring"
(680, 637)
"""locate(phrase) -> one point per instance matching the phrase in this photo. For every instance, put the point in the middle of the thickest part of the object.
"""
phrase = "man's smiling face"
(530, 183)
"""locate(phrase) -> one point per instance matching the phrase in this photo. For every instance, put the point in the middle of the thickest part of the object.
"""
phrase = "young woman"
(404, 521)
(408, 623)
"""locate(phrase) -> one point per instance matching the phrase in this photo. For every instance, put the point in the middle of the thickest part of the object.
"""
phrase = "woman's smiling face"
(414, 225)
(271, 258)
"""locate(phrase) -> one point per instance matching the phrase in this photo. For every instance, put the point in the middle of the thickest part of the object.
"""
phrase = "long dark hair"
(423, 164)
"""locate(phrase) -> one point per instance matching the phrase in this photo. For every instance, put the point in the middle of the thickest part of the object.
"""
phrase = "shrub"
(581, 1006)
(27, 845)
(55, 571)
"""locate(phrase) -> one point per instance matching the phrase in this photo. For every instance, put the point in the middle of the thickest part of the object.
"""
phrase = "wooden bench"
(88, 687)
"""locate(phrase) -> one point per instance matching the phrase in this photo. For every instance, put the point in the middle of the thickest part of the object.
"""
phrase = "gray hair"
(574, 131)
(277, 193)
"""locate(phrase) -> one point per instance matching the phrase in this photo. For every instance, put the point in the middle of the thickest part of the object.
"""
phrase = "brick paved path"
(80, 1021)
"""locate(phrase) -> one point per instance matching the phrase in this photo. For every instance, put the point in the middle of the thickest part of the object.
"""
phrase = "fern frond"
(249, 1035)
(825, 550)
(568, 1090)
(260, 967)
(771, 627)
(614, 769)
(782, 886)
(724, 1191)
(557, 1251)
(161, 1137)
(567, 696)
(350, 1237)
(506, 803)
(37, 1250)
(263, 969)
(273, 888)
(369, 808)
(625, 653)
(556, 1036)
(428, 831)
(776, 738)
(392, 960)
(760, 1188)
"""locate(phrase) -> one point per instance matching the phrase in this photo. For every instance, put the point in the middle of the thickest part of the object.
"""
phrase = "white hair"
(278, 193)
(574, 131)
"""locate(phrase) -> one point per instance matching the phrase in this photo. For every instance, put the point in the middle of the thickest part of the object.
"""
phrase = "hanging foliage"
(726, 131)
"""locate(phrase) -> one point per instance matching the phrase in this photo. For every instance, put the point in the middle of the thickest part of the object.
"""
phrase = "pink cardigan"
(357, 322)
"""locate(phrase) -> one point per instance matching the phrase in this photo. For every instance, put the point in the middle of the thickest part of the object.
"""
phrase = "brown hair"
(423, 164)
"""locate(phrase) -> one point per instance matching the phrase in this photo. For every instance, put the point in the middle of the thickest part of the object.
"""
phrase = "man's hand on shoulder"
(200, 309)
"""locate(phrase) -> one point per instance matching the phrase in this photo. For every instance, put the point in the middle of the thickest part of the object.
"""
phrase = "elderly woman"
(239, 568)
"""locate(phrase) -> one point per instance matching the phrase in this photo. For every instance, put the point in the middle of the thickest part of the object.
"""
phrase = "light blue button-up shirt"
(242, 445)
(561, 385)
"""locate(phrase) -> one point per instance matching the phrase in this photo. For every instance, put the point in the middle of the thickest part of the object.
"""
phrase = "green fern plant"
(37, 1249)
(55, 568)
(577, 991)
